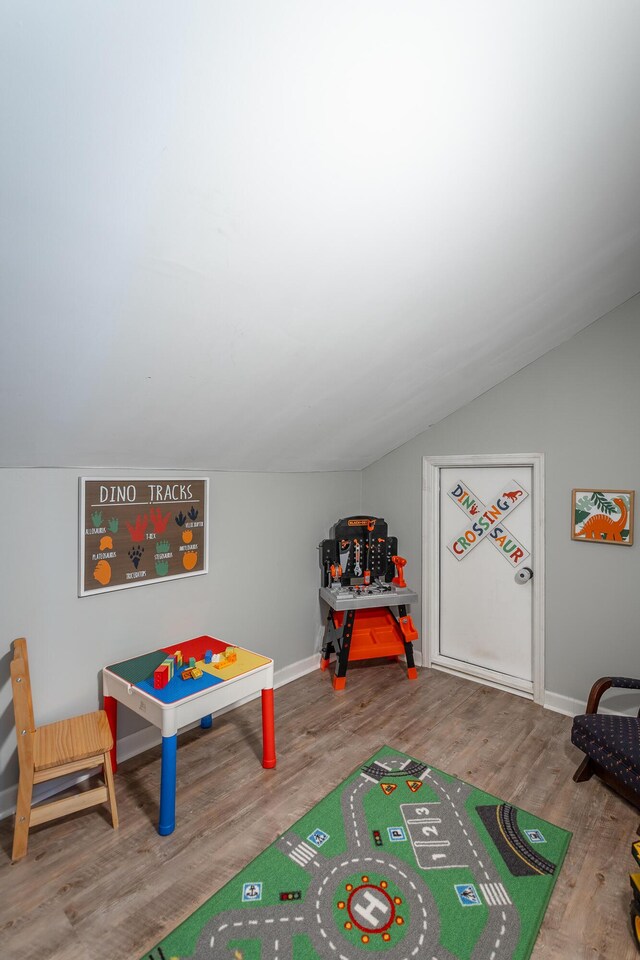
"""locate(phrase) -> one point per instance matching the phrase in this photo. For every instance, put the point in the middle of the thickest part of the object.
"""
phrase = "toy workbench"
(364, 597)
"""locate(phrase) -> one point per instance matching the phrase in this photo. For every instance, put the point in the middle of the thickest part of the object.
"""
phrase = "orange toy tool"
(400, 563)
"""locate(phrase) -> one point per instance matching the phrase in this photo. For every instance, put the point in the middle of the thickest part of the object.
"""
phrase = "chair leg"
(585, 771)
(111, 790)
(23, 816)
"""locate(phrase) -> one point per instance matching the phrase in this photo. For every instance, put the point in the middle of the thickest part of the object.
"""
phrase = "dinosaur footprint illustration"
(189, 559)
(135, 555)
(136, 531)
(102, 572)
(159, 522)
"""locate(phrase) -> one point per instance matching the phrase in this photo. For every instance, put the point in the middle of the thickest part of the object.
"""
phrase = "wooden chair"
(55, 750)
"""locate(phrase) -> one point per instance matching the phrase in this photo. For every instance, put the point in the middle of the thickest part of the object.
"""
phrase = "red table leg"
(268, 730)
(111, 710)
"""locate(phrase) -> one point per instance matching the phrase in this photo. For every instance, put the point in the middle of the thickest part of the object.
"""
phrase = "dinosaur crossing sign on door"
(482, 622)
(486, 522)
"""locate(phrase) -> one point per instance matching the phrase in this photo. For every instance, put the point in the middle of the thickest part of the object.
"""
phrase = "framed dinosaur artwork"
(602, 516)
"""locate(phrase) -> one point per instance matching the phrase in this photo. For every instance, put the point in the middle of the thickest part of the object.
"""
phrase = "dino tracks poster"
(138, 531)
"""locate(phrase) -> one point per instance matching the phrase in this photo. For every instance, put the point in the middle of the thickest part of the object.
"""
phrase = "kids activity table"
(181, 702)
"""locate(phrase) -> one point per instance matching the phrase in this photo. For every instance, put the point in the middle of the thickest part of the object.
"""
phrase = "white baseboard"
(295, 670)
(146, 738)
(561, 704)
(571, 707)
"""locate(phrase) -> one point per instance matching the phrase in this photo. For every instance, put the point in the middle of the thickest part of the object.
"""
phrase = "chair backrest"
(20, 653)
(23, 713)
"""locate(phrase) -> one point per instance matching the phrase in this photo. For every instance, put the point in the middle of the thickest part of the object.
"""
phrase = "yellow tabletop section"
(245, 661)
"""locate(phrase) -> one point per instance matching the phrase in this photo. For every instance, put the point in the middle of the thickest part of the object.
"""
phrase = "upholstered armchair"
(611, 742)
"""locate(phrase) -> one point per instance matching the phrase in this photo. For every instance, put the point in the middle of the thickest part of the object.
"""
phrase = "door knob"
(523, 575)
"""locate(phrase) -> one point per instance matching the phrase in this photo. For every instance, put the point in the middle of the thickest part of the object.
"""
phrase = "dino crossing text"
(487, 522)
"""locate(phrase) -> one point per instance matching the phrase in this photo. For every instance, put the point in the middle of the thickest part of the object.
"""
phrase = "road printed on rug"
(369, 896)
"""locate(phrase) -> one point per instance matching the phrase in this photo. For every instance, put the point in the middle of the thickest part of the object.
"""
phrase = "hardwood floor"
(87, 891)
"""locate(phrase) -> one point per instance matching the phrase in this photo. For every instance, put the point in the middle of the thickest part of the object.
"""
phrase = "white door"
(483, 590)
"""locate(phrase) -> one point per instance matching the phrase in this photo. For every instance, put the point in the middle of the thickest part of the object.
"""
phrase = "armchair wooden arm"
(603, 684)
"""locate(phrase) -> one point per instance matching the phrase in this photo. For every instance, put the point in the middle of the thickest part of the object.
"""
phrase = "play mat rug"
(400, 860)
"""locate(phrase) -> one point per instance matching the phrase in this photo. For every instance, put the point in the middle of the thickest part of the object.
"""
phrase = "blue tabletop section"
(177, 688)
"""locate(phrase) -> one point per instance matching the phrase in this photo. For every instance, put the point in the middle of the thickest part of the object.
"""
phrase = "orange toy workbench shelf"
(368, 633)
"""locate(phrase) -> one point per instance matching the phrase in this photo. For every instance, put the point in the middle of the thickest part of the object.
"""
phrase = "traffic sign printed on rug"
(449, 872)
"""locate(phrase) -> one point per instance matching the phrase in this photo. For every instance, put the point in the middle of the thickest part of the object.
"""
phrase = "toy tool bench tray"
(362, 598)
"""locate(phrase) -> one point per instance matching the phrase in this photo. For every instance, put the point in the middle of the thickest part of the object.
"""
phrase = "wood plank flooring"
(87, 891)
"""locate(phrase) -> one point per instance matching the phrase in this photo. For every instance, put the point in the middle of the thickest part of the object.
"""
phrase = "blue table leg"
(167, 821)
(207, 722)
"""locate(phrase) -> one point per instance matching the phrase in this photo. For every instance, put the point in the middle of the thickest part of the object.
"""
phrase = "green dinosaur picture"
(602, 516)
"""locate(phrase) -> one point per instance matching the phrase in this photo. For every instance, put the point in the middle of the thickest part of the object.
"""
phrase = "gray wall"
(580, 406)
(255, 519)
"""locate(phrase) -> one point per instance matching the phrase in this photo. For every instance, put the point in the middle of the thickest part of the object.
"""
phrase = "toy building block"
(191, 673)
(192, 662)
(635, 850)
(178, 658)
(634, 880)
(160, 676)
(170, 664)
(225, 659)
(207, 657)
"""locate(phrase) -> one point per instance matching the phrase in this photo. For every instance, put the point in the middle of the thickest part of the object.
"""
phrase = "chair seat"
(613, 742)
(69, 740)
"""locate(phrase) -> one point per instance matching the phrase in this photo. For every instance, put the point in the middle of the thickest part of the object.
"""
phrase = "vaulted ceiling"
(292, 235)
